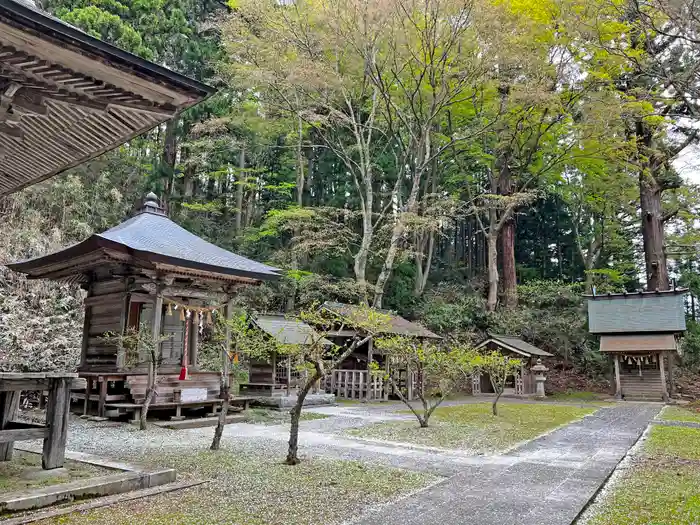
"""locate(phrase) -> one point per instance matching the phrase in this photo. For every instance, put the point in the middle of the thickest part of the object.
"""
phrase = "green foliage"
(439, 371)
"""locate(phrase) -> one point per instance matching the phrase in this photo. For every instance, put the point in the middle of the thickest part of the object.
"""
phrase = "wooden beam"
(187, 291)
(8, 437)
(24, 384)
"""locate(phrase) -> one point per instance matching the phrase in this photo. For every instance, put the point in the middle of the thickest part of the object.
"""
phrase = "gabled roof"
(148, 240)
(288, 331)
(397, 324)
(514, 344)
(69, 97)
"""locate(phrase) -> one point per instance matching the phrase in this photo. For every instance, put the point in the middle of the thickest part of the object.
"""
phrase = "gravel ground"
(249, 484)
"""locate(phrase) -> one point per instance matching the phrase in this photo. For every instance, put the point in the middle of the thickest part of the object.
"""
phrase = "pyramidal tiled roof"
(151, 237)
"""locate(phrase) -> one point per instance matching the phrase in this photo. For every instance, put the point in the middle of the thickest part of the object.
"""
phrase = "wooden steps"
(647, 387)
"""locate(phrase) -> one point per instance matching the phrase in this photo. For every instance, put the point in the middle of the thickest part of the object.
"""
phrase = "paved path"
(545, 482)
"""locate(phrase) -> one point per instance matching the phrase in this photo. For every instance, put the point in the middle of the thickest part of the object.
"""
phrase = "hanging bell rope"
(186, 309)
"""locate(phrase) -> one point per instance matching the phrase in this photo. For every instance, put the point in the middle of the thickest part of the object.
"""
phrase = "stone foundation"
(290, 401)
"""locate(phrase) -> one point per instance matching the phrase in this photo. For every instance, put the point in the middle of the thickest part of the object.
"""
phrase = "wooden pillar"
(156, 330)
(662, 372)
(9, 401)
(370, 357)
(226, 380)
(409, 383)
(86, 329)
(103, 396)
(57, 410)
(194, 340)
(618, 388)
(386, 382)
(88, 389)
(124, 323)
(370, 353)
(289, 374)
(671, 380)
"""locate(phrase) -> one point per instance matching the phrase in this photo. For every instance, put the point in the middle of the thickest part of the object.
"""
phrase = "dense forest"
(477, 165)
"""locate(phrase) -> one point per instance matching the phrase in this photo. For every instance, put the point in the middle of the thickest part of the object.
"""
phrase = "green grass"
(472, 427)
(680, 414)
(263, 416)
(654, 496)
(677, 442)
(594, 398)
(252, 490)
(662, 487)
(12, 473)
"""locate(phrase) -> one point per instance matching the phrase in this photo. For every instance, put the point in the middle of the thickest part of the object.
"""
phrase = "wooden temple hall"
(638, 331)
(65, 98)
(353, 379)
(148, 271)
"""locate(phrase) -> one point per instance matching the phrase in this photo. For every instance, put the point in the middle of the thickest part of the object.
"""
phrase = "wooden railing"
(356, 384)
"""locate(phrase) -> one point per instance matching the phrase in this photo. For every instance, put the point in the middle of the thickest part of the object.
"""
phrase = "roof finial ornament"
(151, 204)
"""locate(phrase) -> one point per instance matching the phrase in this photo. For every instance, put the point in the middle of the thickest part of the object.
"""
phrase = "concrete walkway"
(547, 481)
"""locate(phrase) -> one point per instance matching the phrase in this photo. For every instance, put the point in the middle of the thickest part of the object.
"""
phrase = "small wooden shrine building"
(520, 384)
(67, 97)
(148, 271)
(639, 330)
(353, 379)
(278, 375)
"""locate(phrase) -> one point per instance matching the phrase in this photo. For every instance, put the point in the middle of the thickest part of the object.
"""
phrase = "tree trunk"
(494, 405)
(388, 265)
(168, 159)
(239, 190)
(225, 379)
(221, 423)
(360, 266)
(301, 161)
(150, 393)
(293, 450)
(510, 281)
(653, 233)
(492, 263)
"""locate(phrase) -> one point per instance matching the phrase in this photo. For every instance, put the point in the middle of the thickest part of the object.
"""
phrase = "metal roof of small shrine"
(514, 344)
(288, 331)
(657, 311)
(637, 343)
(147, 240)
(67, 97)
(397, 324)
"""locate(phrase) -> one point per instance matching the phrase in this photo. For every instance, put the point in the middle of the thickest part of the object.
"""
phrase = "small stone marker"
(539, 370)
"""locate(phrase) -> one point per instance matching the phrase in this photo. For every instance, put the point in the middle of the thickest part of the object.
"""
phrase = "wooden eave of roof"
(638, 343)
(521, 351)
(634, 295)
(84, 257)
(66, 97)
(398, 325)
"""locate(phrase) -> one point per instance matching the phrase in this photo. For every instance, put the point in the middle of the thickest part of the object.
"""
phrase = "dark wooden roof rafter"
(67, 97)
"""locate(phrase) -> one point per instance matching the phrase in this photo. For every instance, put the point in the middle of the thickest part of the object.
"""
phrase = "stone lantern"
(539, 371)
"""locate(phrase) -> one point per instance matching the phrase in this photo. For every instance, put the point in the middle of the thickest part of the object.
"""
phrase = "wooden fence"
(356, 384)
